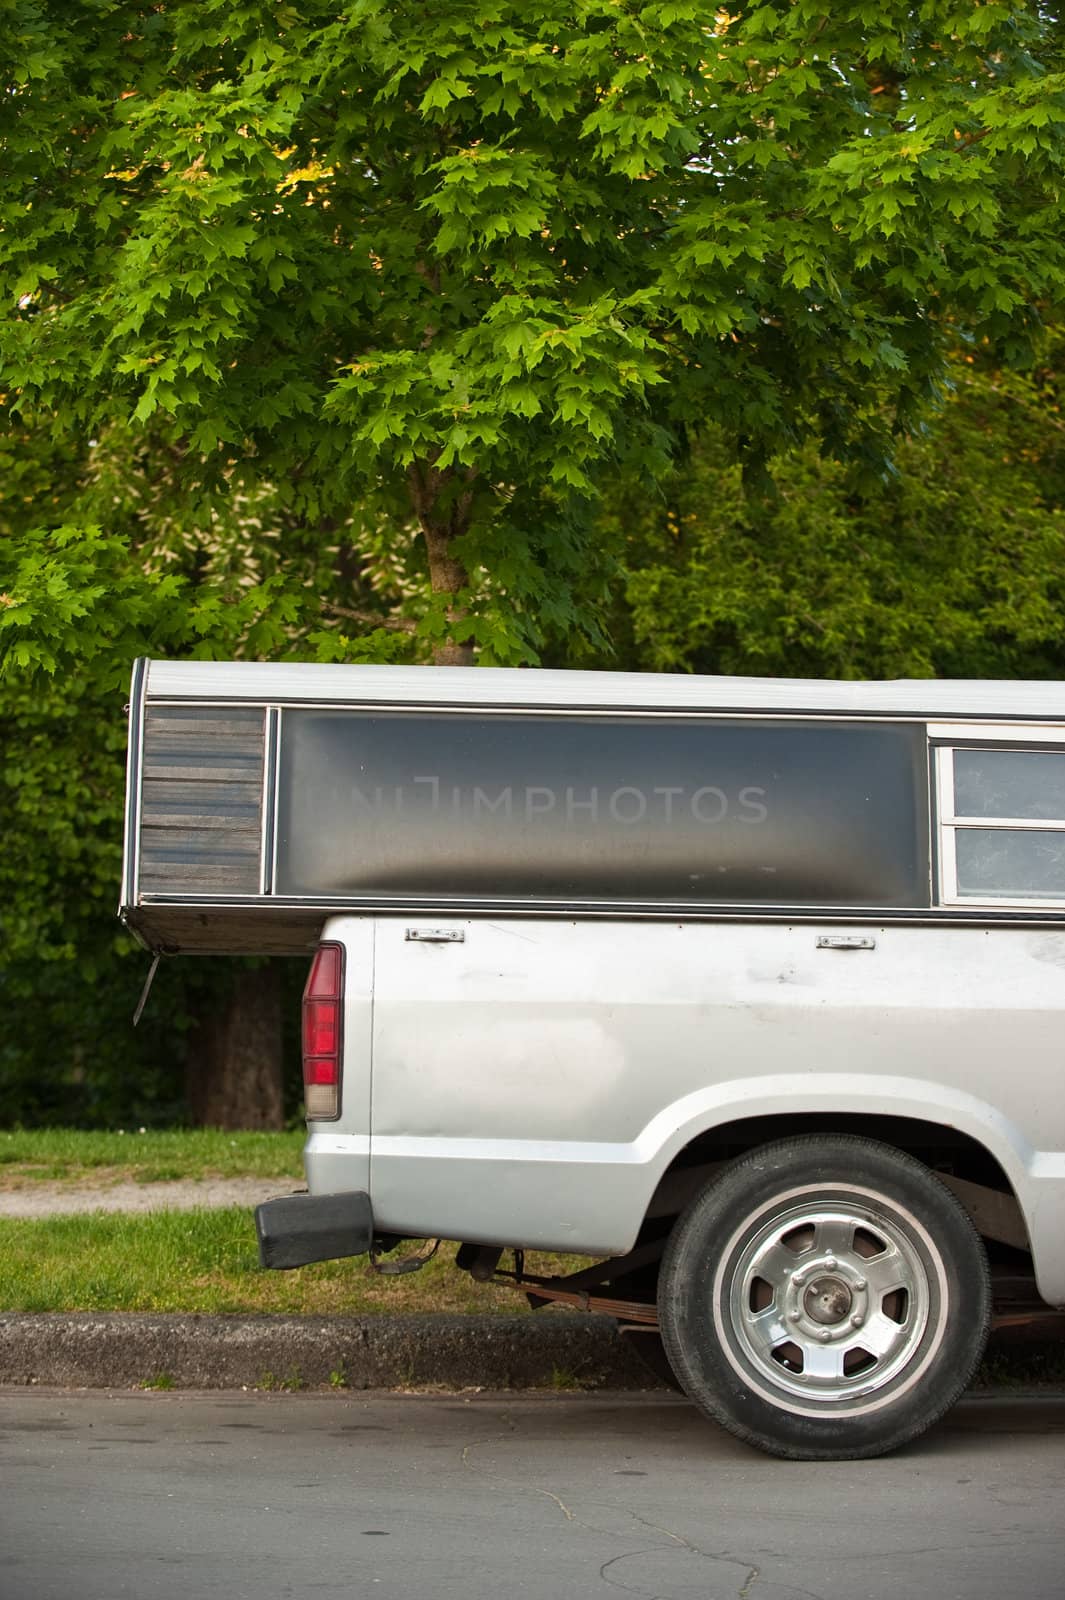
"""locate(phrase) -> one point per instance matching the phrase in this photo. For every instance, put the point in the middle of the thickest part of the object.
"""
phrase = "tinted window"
(603, 809)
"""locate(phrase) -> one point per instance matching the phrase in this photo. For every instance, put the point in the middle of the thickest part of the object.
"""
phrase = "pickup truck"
(751, 991)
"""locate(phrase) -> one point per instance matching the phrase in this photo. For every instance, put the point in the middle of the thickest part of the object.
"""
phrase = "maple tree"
(455, 262)
(325, 327)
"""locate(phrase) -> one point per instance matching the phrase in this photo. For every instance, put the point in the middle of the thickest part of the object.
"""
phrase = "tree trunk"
(233, 1067)
(442, 502)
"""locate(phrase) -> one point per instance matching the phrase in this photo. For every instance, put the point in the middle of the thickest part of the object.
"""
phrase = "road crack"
(678, 1538)
(516, 1483)
(627, 1588)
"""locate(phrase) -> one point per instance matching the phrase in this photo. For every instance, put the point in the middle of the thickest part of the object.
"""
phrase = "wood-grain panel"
(201, 800)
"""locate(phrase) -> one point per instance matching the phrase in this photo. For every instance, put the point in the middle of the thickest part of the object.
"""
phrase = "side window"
(1001, 826)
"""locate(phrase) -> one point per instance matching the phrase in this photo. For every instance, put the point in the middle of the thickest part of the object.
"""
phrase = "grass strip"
(207, 1261)
(157, 1155)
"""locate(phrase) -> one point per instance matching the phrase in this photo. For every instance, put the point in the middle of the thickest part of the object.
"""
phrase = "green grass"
(51, 1155)
(189, 1261)
(207, 1261)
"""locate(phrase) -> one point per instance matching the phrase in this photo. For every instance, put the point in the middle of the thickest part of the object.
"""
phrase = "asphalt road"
(192, 1496)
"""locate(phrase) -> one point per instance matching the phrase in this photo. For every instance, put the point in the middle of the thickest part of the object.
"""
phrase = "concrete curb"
(551, 1349)
(118, 1349)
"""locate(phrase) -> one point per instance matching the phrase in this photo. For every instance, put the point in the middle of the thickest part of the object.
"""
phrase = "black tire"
(777, 1306)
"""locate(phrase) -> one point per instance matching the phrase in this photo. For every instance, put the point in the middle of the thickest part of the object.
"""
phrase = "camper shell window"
(1001, 825)
(577, 810)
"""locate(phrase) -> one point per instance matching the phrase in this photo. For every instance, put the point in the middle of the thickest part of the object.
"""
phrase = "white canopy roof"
(525, 688)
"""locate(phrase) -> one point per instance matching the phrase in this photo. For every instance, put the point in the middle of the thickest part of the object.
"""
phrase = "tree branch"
(394, 624)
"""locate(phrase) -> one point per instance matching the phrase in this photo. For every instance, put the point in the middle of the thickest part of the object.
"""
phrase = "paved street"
(187, 1497)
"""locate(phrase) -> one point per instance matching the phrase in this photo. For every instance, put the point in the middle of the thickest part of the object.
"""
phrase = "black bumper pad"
(300, 1228)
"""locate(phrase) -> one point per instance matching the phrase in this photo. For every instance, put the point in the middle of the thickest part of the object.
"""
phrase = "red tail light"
(323, 1000)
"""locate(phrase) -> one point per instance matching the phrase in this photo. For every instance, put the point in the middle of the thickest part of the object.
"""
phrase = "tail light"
(323, 1000)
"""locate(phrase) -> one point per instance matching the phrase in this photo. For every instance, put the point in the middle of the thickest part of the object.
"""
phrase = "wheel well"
(962, 1162)
(944, 1149)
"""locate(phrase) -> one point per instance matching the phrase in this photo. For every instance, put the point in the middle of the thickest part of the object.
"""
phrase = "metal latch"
(437, 935)
(845, 941)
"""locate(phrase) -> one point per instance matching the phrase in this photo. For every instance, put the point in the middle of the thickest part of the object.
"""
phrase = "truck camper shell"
(264, 798)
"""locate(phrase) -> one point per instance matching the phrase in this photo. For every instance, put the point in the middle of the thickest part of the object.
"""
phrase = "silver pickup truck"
(749, 990)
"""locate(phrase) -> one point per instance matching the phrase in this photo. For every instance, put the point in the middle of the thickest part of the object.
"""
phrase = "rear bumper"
(300, 1228)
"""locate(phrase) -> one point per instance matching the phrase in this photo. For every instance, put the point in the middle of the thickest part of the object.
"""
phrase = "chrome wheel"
(827, 1300)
